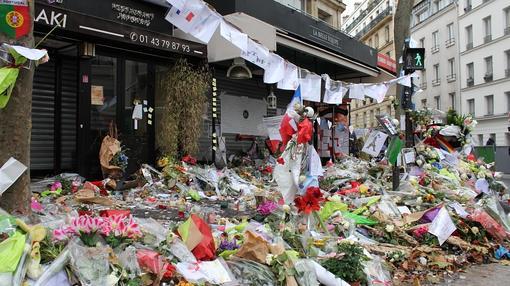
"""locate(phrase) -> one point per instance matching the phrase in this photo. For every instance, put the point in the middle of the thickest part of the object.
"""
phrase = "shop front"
(106, 58)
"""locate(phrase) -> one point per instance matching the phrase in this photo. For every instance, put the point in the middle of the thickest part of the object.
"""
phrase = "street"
(482, 275)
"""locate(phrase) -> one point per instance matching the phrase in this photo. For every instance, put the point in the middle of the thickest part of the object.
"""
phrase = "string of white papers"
(197, 19)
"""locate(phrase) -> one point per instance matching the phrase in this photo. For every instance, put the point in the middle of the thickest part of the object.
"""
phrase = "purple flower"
(267, 207)
(228, 245)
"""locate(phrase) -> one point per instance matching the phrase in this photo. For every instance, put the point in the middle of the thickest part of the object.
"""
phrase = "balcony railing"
(423, 85)
(436, 82)
(468, 8)
(469, 46)
(470, 82)
(435, 49)
(386, 12)
(450, 42)
(487, 39)
(451, 77)
(507, 31)
(507, 73)
(362, 15)
(487, 77)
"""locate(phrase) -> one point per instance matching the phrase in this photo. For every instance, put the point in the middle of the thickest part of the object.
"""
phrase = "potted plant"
(348, 265)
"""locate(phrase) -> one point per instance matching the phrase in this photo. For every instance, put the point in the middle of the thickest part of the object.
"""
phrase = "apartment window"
(357, 119)
(480, 139)
(387, 33)
(489, 104)
(470, 68)
(435, 6)
(437, 101)
(471, 106)
(469, 37)
(364, 120)
(436, 80)
(435, 41)
(372, 118)
(423, 103)
(451, 70)
(370, 42)
(493, 137)
(422, 43)
(376, 41)
(378, 111)
(507, 70)
(388, 54)
(507, 94)
(487, 29)
(423, 80)
(452, 100)
(325, 16)
(507, 20)
(451, 35)
(488, 69)
(468, 6)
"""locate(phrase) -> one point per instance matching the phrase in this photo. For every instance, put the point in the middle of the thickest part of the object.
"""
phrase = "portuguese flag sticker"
(14, 20)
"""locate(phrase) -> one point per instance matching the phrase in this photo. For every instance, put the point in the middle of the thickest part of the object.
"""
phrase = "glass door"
(114, 87)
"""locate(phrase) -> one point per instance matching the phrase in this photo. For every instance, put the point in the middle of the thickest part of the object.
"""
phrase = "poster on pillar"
(333, 138)
(242, 115)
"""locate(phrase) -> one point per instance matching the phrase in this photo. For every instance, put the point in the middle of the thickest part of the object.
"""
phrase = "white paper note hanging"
(377, 91)
(291, 80)
(186, 18)
(357, 91)
(234, 36)
(310, 85)
(137, 115)
(275, 70)
(9, 173)
(334, 91)
(256, 54)
(206, 24)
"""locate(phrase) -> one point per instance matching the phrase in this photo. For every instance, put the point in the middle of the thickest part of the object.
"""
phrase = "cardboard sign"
(374, 143)
(387, 123)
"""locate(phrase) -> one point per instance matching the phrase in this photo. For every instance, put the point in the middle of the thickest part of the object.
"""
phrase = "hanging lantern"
(271, 100)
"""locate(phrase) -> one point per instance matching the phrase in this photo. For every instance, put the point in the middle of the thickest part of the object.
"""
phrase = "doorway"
(110, 87)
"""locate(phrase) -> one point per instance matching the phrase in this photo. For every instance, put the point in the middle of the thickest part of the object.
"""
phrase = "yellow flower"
(163, 162)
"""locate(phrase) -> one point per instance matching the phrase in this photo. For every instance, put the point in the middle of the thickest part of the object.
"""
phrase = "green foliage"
(50, 250)
(350, 266)
(184, 97)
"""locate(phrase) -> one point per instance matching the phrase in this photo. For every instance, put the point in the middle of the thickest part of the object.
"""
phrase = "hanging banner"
(374, 143)
(275, 70)
(15, 20)
(334, 91)
(291, 80)
(256, 54)
(234, 36)
(310, 84)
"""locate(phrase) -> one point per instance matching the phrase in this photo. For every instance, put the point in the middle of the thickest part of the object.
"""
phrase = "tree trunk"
(402, 30)
(15, 128)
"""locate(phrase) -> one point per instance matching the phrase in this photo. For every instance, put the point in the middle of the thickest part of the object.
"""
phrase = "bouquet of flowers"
(120, 159)
(120, 229)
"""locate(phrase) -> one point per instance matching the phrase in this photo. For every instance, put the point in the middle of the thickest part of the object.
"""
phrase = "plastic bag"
(490, 224)
(305, 275)
(249, 272)
(214, 272)
(287, 175)
(179, 250)
(90, 264)
(324, 276)
(154, 232)
(7, 225)
(376, 274)
(55, 267)
(129, 261)
(21, 270)
(11, 251)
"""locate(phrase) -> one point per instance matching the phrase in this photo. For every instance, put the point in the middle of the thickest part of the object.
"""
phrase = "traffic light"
(414, 59)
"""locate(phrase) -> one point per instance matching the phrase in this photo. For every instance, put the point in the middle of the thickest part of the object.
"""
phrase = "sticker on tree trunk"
(15, 20)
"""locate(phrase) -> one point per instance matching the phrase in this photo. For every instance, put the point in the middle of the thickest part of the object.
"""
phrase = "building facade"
(372, 23)
(485, 67)
(328, 11)
(434, 26)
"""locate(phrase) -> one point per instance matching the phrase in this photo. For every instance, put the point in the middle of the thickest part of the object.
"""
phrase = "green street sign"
(414, 59)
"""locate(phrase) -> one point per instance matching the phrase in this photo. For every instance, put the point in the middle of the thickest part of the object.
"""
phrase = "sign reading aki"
(51, 18)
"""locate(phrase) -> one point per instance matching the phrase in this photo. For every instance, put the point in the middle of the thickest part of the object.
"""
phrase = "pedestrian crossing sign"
(414, 59)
